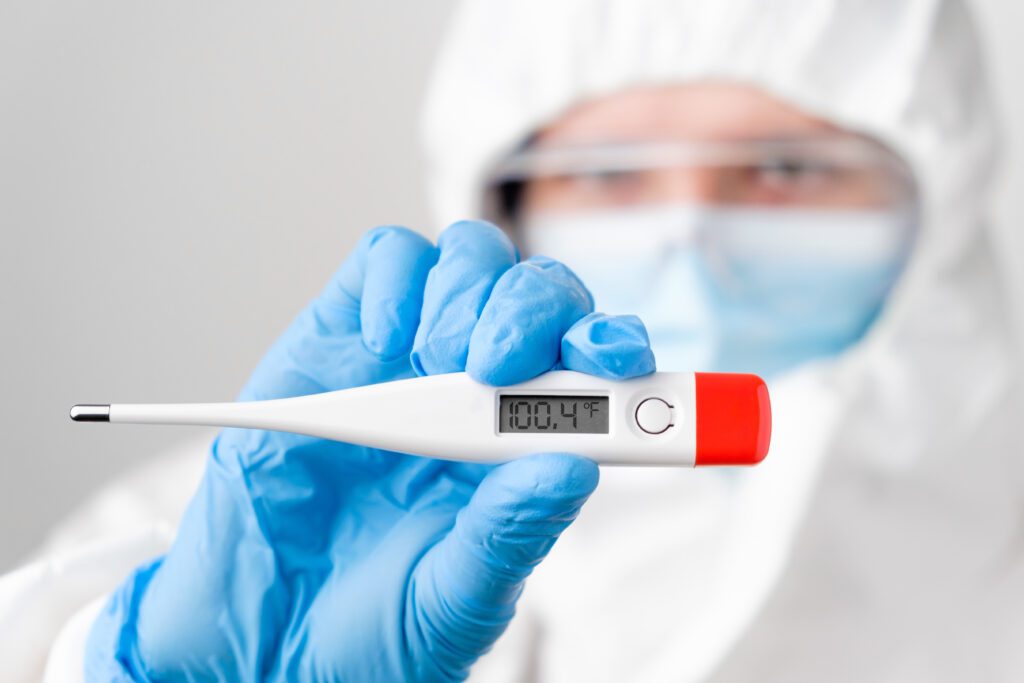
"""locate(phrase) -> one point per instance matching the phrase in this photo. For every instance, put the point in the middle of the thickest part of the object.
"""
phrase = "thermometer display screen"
(553, 414)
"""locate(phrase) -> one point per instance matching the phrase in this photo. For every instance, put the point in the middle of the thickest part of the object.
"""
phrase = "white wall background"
(177, 179)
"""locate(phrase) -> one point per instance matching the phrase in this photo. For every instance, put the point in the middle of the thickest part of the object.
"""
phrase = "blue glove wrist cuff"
(110, 652)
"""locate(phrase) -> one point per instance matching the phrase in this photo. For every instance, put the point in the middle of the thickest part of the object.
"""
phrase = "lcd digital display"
(553, 414)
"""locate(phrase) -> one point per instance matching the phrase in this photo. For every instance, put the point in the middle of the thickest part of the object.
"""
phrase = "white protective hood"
(878, 538)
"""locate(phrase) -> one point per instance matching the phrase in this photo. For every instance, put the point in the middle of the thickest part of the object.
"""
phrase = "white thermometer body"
(665, 418)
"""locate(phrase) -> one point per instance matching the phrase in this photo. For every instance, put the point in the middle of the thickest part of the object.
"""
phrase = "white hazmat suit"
(880, 541)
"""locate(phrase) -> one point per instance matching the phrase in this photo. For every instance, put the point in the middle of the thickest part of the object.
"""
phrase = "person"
(790, 188)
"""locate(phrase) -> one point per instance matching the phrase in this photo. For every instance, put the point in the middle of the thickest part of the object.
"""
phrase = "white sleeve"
(65, 663)
(45, 606)
(39, 601)
(513, 659)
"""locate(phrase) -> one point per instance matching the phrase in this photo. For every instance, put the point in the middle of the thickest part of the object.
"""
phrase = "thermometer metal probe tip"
(90, 413)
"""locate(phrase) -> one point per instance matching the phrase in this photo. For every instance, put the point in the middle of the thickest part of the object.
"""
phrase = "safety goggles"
(829, 171)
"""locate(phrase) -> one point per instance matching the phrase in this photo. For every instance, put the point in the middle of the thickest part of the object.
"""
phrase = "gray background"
(177, 179)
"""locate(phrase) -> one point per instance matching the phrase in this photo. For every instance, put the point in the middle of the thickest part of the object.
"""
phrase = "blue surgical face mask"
(735, 289)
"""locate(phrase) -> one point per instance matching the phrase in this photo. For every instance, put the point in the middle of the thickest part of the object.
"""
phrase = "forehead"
(694, 111)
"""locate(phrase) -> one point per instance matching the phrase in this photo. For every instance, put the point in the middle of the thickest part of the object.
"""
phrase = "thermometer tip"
(90, 413)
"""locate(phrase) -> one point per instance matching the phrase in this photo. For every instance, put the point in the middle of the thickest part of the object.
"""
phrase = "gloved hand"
(307, 560)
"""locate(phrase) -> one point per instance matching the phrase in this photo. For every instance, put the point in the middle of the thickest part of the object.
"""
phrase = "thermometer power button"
(654, 415)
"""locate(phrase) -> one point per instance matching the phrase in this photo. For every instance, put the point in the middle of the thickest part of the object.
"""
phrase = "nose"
(697, 185)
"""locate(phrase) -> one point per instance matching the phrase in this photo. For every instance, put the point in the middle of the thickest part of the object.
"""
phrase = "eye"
(603, 185)
(794, 173)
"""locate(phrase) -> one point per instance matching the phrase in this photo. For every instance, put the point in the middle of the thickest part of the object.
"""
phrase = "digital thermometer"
(667, 418)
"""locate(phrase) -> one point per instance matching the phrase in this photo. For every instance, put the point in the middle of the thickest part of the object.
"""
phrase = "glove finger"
(464, 590)
(609, 346)
(360, 327)
(473, 255)
(520, 330)
(387, 276)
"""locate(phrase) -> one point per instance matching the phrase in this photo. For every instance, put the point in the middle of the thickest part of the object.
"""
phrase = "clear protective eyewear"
(840, 170)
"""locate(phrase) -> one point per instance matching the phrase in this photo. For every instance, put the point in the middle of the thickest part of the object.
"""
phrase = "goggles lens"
(820, 172)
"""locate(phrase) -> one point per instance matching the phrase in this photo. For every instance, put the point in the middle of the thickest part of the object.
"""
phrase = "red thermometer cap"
(734, 419)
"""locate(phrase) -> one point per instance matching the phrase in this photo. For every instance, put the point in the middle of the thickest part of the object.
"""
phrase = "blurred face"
(729, 115)
(746, 234)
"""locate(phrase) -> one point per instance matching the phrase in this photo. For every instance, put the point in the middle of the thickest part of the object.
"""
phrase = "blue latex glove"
(307, 560)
